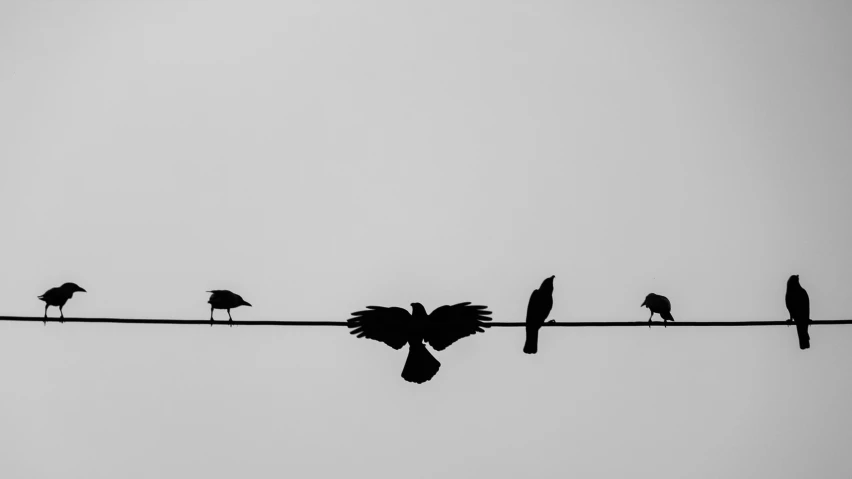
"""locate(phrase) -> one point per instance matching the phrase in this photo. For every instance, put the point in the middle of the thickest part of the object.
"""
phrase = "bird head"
(648, 299)
(72, 288)
(418, 309)
(794, 279)
(547, 284)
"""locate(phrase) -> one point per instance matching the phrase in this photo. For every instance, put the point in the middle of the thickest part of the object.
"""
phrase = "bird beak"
(643, 304)
(82, 290)
(247, 304)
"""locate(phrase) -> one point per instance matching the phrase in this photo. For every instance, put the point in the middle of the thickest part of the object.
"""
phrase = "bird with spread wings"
(396, 327)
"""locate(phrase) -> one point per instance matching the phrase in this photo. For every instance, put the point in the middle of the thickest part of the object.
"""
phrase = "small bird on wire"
(224, 299)
(396, 327)
(799, 306)
(658, 304)
(541, 301)
(58, 297)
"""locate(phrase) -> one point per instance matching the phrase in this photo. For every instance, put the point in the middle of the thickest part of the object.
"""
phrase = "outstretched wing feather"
(388, 325)
(448, 324)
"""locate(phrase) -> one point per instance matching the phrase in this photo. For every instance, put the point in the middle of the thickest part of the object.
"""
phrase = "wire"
(493, 324)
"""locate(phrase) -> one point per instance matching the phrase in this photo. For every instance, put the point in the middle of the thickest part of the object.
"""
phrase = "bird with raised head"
(224, 299)
(799, 307)
(658, 304)
(59, 296)
(396, 327)
(541, 302)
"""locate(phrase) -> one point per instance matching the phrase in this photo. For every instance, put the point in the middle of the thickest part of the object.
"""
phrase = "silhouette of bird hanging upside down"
(660, 305)
(58, 297)
(396, 328)
(224, 299)
(541, 301)
(799, 306)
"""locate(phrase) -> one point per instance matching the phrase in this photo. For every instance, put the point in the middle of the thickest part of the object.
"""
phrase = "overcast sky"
(320, 156)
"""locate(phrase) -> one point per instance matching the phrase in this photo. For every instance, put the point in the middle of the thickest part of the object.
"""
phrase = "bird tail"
(804, 337)
(667, 316)
(420, 366)
(531, 345)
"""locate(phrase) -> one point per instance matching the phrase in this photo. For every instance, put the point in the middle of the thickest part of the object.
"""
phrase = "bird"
(224, 299)
(658, 304)
(58, 297)
(396, 327)
(799, 307)
(541, 301)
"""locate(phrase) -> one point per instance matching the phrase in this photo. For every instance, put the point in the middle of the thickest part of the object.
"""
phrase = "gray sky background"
(320, 156)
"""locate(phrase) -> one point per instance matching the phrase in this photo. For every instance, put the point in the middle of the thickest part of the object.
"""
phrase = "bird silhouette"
(396, 327)
(658, 304)
(224, 299)
(799, 306)
(541, 301)
(58, 297)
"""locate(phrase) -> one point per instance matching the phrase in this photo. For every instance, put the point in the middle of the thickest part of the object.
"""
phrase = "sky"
(320, 156)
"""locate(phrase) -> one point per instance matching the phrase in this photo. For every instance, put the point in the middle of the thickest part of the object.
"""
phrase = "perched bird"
(396, 328)
(541, 301)
(59, 296)
(799, 306)
(660, 305)
(224, 299)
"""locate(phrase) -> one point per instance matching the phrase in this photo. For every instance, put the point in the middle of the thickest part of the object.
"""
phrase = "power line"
(494, 324)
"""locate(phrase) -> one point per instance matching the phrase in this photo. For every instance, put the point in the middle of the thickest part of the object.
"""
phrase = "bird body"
(799, 307)
(658, 304)
(538, 308)
(396, 327)
(59, 296)
(224, 299)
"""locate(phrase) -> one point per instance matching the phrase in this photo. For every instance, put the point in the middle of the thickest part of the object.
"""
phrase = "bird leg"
(211, 316)
(230, 319)
(61, 316)
(45, 314)
(649, 319)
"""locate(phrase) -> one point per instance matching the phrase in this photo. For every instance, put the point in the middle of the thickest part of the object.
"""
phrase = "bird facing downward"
(224, 299)
(658, 304)
(799, 306)
(541, 301)
(59, 296)
(396, 328)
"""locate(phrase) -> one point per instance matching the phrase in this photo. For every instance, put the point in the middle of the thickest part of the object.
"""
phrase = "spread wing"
(448, 324)
(388, 325)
